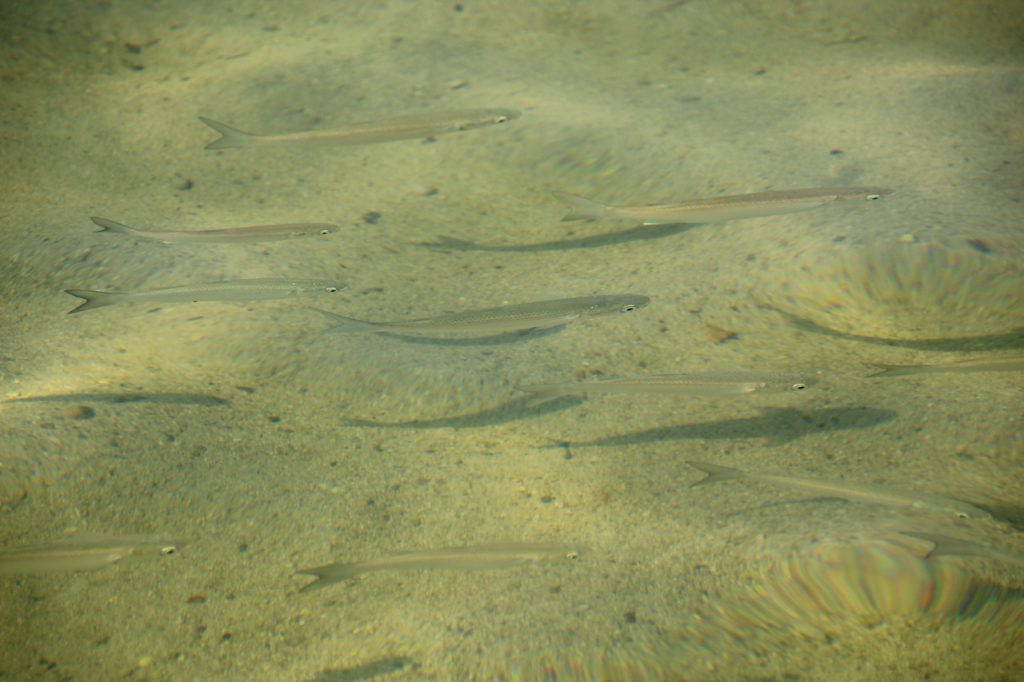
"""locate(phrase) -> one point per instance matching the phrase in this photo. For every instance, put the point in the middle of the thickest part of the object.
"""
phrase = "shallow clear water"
(271, 444)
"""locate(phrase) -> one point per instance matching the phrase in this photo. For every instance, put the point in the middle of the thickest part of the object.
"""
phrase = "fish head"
(323, 286)
(490, 117)
(874, 193)
(625, 303)
(786, 383)
(968, 512)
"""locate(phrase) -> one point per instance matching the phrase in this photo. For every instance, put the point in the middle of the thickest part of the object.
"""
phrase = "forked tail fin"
(328, 575)
(93, 299)
(231, 138)
(715, 473)
(541, 393)
(585, 209)
(107, 225)
(347, 324)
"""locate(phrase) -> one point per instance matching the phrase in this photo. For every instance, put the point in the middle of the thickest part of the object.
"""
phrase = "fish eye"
(798, 387)
(169, 549)
(324, 232)
(629, 307)
(873, 197)
(962, 515)
(501, 119)
(331, 290)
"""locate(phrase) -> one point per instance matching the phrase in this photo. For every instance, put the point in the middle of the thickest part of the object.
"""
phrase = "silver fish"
(227, 235)
(368, 132)
(855, 492)
(236, 290)
(947, 545)
(698, 384)
(720, 209)
(1006, 363)
(83, 553)
(478, 557)
(507, 318)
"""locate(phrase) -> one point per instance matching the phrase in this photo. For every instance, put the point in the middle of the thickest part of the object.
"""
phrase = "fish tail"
(541, 393)
(328, 575)
(346, 324)
(585, 209)
(93, 299)
(893, 370)
(715, 473)
(111, 226)
(231, 138)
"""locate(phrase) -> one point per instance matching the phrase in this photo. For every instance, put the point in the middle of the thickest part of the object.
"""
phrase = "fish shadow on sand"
(500, 414)
(491, 340)
(126, 397)
(778, 425)
(1013, 339)
(367, 671)
(639, 233)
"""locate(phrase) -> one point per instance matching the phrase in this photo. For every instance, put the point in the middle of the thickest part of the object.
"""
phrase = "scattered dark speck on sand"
(979, 245)
(371, 217)
(79, 412)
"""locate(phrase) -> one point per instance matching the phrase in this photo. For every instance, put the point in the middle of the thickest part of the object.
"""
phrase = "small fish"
(236, 290)
(947, 545)
(698, 384)
(368, 132)
(475, 558)
(227, 235)
(854, 492)
(720, 209)
(83, 553)
(507, 318)
(1007, 363)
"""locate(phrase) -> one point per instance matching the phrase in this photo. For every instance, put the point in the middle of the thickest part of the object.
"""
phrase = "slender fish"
(854, 492)
(947, 545)
(368, 132)
(237, 290)
(475, 558)
(699, 384)
(227, 235)
(1006, 363)
(82, 553)
(720, 209)
(507, 318)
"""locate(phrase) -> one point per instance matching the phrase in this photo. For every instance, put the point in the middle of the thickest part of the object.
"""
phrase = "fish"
(235, 290)
(227, 235)
(83, 553)
(367, 132)
(853, 492)
(720, 209)
(507, 318)
(697, 384)
(474, 558)
(1006, 363)
(947, 545)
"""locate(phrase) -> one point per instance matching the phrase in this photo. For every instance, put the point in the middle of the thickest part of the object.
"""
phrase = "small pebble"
(718, 334)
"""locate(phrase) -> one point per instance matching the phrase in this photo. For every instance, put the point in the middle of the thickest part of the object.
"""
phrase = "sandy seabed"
(270, 444)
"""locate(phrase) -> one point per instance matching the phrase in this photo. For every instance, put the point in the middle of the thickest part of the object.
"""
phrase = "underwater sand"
(273, 446)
